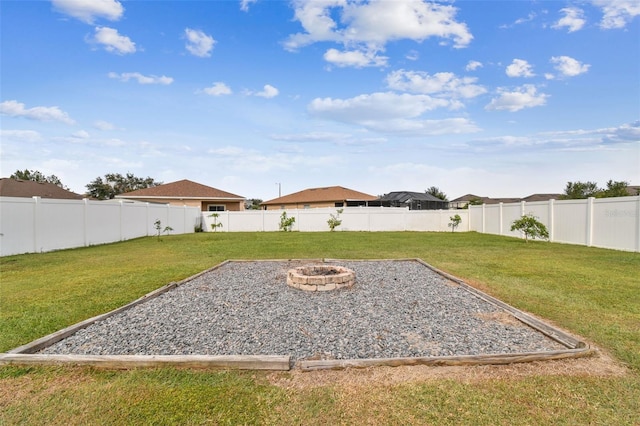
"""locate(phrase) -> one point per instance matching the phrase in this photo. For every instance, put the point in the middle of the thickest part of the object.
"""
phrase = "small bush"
(530, 227)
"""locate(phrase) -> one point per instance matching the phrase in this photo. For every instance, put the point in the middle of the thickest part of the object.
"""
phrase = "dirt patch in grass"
(600, 364)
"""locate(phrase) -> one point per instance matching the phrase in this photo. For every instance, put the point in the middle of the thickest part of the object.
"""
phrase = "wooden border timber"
(26, 354)
(459, 360)
(234, 362)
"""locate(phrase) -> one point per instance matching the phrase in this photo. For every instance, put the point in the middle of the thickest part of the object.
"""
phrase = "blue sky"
(494, 98)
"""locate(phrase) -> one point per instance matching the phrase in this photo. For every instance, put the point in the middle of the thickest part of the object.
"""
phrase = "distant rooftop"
(28, 188)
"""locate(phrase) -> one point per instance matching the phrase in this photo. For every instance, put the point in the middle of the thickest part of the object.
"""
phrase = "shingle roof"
(314, 195)
(180, 189)
(28, 188)
(404, 196)
(542, 197)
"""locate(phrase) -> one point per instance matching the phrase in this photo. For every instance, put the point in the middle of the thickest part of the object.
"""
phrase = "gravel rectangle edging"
(398, 309)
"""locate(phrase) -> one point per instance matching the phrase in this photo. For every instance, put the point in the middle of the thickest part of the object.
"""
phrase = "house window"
(215, 207)
(339, 204)
(307, 206)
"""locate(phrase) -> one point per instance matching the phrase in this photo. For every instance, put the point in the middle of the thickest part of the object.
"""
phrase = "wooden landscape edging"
(26, 354)
(457, 360)
(236, 362)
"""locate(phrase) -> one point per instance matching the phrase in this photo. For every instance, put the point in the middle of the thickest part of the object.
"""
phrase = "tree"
(37, 176)
(530, 227)
(455, 221)
(286, 223)
(334, 220)
(615, 189)
(115, 184)
(435, 191)
(252, 204)
(578, 190)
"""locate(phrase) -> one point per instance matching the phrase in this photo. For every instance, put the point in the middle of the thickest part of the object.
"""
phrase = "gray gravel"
(395, 309)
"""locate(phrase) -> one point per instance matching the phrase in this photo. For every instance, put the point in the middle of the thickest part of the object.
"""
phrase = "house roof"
(315, 195)
(408, 196)
(542, 197)
(181, 189)
(28, 188)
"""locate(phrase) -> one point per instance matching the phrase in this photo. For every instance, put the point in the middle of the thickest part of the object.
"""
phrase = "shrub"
(530, 227)
(286, 223)
(334, 220)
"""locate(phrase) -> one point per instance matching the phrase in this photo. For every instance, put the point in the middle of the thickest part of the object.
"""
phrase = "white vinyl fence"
(37, 225)
(599, 222)
(370, 219)
(32, 225)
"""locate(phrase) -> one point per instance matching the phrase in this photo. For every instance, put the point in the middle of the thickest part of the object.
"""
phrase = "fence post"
(638, 224)
(589, 221)
(551, 218)
(37, 222)
(85, 219)
(483, 219)
(500, 219)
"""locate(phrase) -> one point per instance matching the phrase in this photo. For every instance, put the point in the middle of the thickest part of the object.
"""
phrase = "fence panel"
(614, 218)
(17, 230)
(30, 225)
(606, 222)
(102, 222)
(570, 222)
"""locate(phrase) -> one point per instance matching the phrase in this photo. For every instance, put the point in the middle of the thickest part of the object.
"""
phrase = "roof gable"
(315, 195)
(28, 188)
(180, 189)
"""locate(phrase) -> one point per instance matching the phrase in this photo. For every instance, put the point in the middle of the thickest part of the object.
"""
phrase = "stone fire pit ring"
(320, 277)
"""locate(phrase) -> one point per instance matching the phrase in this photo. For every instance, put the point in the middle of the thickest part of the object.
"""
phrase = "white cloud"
(114, 42)
(375, 106)
(218, 89)
(523, 97)
(519, 68)
(142, 79)
(198, 43)
(473, 65)
(530, 17)
(442, 83)
(81, 134)
(20, 135)
(617, 13)
(88, 10)
(573, 19)
(412, 55)
(366, 27)
(268, 92)
(391, 112)
(103, 125)
(625, 133)
(16, 109)
(244, 4)
(354, 58)
(568, 66)
(406, 127)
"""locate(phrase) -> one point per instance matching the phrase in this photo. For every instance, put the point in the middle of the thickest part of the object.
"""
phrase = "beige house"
(332, 196)
(187, 193)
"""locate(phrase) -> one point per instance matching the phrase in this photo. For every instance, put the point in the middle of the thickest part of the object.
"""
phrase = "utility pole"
(279, 189)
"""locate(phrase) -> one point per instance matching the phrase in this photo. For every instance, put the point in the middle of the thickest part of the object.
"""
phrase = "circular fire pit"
(320, 277)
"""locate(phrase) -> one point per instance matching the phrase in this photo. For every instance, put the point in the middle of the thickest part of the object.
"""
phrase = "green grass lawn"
(592, 292)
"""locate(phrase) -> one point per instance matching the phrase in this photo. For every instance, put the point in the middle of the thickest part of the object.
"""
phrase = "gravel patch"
(395, 309)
